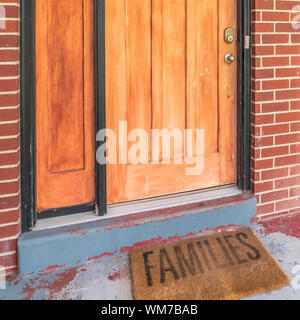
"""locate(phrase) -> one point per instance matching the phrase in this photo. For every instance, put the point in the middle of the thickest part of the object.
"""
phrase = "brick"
(263, 27)
(255, 153)
(9, 173)
(287, 161)
(263, 119)
(9, 144)
(263, 50)
(262, 187)
(275, 129)
(274, 196)
(295, 83)
(287, 49)
(265, 209)
(8, 245)
(9, 159)
(263, 74)
(9, 85)
(9, 40)
(9, 188)
(9, 55)
(10, 129)
(9, 202)
(285, 27)
(275, 107)
(275, 84)
(9, 231)
(295, 170)
(295, 38)
(255, 176)
(287, 204)
(263, 4)
(263, 142)
(275, 16)
(9, 114)
(275, 61)
(287, 182)
(275, 173)
(262, 164)
(295, 105)
(7, 217)
(295, 61)
(8, 260)
(9, 100)
(287, 117)
(275, 151)
(275, 38)
(295, 127)
(263, 96)
(287, 72)
(287, 138)
(256, 62)
(295, 148)
(285, 5)
(294, 192)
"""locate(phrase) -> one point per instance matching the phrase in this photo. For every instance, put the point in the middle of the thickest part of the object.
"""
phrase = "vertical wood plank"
(169, 67)
(116, 93)
(157, 73)
(128, 76)
(228, 95)
(138, 65)
(41, 78)
(202, 70)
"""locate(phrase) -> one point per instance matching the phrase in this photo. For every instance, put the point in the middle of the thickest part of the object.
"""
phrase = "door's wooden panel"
(169, 68)
(116, 94)
(64, 103)
(65, 83)
(166, 71)
(128, 66)
(228, 97)
(138, 64)
(203, 70)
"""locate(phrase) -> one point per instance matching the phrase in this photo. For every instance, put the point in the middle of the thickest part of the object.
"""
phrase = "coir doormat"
(228, 265)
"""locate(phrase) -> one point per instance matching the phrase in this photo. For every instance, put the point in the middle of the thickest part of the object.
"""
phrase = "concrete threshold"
(72, 245)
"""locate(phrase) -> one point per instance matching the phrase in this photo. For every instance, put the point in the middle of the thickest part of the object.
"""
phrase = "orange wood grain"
(145, 181)
(65, 103)
(202, 70)
(165, 69)
(169, 68)
(227, 95)
(65, 92)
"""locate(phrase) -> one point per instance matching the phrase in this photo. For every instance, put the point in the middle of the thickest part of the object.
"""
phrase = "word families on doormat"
(224, 266)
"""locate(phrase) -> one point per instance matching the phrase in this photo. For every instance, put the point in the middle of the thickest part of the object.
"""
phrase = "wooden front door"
(165, 69)
(65, 103)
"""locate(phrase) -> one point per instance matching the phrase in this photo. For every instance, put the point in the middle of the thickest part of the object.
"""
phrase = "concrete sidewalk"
(109, 278)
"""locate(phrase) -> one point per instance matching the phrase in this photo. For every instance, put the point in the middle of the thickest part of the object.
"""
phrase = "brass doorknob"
(229, 58)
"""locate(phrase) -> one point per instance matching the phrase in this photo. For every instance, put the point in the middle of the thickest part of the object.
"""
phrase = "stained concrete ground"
(109, 278)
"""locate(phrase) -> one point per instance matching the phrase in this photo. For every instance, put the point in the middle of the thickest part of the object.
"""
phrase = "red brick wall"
(9, 134)
(276, 106)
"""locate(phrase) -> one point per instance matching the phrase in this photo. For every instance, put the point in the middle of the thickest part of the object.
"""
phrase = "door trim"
(27, 105)
(169, 203)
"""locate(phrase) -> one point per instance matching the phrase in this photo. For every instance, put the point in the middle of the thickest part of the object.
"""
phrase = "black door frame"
(27, 102)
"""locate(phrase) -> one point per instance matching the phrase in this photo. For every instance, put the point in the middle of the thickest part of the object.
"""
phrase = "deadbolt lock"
(229, 35)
